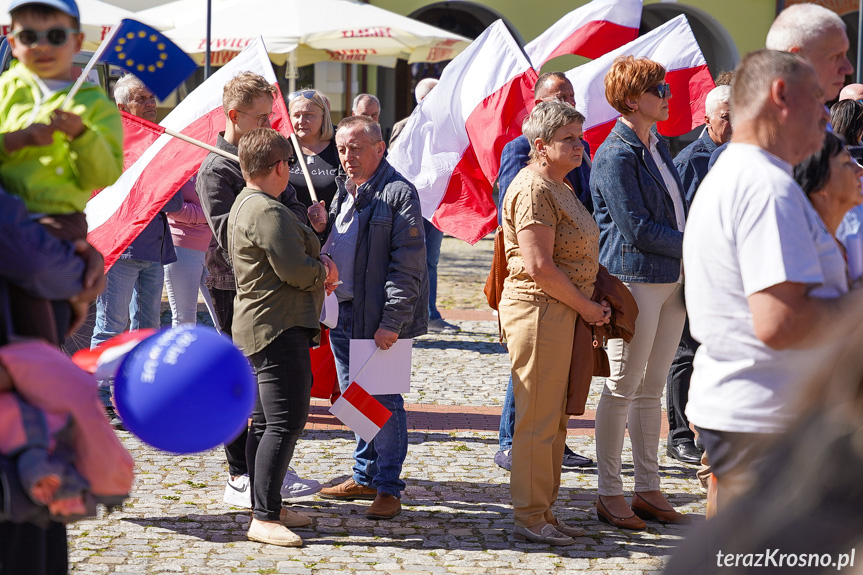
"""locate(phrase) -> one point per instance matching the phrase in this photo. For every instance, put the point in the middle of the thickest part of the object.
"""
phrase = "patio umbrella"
(310, 30)
(96, 19)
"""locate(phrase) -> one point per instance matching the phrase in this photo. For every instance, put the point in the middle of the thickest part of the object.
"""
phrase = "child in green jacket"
(54, 158)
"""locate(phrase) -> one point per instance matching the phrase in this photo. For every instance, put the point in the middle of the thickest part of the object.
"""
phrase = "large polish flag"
(590, 31)
(673, 45)
(157, 164)
(450, 148)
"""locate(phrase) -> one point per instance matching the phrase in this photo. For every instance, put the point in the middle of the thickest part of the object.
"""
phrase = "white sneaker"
(296, 486)
(237, 492)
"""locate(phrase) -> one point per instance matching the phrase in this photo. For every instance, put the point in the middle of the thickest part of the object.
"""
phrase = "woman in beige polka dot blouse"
(552, 251)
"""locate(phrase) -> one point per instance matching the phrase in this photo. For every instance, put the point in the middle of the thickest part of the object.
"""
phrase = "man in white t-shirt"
(765, 282)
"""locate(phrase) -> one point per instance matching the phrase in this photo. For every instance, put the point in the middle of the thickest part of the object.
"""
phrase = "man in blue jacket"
(550, 86)
(135, 280)
(375, 236)
(691, 164)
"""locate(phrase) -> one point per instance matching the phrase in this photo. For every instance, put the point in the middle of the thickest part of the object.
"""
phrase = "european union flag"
(149, 55)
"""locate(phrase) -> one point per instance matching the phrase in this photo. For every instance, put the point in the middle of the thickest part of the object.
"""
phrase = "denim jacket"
(639, 240)
(391, 288)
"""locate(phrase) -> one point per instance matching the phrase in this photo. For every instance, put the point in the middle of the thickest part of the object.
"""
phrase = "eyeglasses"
(261, 120)
(662, 90)
(143, 99)
(290, 160)
(307, 94)
(55, 36)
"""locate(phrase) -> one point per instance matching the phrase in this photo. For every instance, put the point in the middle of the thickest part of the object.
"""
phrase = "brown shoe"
(293, 519)
(642, 508)
(348, 491)
(604, 515)
(385, 506)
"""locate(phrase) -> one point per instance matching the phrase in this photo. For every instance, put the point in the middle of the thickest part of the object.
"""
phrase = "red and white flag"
(450, 147)
(673, 45)
(104, 360)
(361, 412)
(590, 31)
(117, 214)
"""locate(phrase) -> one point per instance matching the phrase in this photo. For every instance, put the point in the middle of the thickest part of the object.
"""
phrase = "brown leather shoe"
(348, 491)
(385, 506)
(642, 508)
(631, 522)
(293, 519)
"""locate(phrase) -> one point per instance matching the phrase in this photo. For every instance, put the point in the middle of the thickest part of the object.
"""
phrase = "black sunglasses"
(663, 91)
(55, 36)
(307, 94)
(291, 161)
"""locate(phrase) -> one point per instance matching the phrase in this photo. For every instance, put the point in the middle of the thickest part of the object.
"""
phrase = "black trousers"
(284, 373)
(235, 450)
(26, 549)
(677, 388)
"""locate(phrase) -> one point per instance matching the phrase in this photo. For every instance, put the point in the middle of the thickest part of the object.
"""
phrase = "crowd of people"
(719, 275)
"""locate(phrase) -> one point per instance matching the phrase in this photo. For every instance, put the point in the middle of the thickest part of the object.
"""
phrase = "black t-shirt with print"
(323, 169)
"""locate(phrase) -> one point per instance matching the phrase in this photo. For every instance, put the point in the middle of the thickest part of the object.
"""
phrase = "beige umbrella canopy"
(312, 31)
(96, 19)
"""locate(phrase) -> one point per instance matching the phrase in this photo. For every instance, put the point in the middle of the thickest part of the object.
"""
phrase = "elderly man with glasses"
(133, 295)
(247, 101)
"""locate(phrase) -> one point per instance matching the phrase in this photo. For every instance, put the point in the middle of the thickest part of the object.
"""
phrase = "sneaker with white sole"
(296, 486)
(238, 493)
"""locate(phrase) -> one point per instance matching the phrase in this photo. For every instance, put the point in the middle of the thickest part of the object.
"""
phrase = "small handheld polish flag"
(361, 412)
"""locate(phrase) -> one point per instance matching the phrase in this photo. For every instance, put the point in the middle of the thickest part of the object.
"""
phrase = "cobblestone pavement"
(456, 514)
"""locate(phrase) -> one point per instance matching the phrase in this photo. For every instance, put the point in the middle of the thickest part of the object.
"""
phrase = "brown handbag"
(498, 273)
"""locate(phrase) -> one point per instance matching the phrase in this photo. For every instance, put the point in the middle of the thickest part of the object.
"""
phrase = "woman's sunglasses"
(662, 90)
(55, 36)
(307, 94)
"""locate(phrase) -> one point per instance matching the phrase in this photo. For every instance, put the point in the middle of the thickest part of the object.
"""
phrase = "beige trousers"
(539, 337)
(632, 394)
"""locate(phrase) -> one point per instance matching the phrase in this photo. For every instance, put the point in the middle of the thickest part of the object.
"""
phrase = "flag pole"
(301, 160)
(201, 144)
(93, 60)
(207, 52)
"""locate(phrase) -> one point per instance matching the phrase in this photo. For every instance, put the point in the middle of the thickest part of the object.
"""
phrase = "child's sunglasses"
(54, 36)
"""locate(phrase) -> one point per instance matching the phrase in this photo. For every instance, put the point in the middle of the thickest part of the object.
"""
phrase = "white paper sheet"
(330, 311)
(389, 371)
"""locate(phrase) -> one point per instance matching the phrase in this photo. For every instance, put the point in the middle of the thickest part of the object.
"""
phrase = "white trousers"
(633, 392)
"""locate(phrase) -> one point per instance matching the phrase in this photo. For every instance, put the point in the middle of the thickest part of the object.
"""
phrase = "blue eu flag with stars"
(149, 55)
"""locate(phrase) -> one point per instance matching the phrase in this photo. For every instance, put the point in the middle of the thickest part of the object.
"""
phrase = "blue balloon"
(185, 390)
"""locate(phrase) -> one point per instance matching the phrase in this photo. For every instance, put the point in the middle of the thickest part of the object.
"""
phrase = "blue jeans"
(434, 237)
(183, 280)
(133, 290)
(377, 464)
(507, 418)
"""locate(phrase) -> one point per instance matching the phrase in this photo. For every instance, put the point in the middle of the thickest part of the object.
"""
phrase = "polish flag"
(590, 31)
(117, 214)
(361, 412)
(450, 147)
(104, 360)
(673, 45)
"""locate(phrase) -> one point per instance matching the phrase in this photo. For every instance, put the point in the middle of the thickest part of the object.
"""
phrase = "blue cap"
(67, 7)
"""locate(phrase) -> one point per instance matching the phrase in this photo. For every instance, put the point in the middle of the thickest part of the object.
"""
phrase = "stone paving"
(456, 514)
